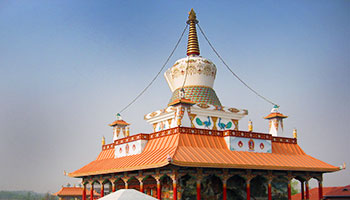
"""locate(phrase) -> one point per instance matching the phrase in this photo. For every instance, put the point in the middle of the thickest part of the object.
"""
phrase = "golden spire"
(192, 46)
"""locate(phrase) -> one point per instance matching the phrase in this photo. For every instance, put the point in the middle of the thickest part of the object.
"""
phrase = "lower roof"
(183, 148)
(73, 192)
(342, 191)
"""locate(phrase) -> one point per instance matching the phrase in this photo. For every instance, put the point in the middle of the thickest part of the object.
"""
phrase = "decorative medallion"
(234, 110)
(203, 105)
(262, 146)
(153, 114)
(133, 147)
(120, 150)
(240, 144)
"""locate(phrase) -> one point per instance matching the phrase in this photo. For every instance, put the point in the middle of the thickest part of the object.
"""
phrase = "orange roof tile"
(273, 115)
(73, 191)
(119, 122)
(195, 150)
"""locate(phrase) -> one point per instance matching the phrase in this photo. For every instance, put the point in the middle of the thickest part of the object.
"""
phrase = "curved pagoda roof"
(191, 147)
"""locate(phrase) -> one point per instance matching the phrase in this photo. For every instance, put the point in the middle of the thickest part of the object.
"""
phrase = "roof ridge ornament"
(192, 45)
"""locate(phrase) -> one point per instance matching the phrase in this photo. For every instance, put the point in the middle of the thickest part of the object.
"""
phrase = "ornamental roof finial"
(192, 45)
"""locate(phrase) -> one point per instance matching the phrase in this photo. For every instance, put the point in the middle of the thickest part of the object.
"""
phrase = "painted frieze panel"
(213, 123)
(203, 122)
(224, 124)
(130, 148)
(249, 144)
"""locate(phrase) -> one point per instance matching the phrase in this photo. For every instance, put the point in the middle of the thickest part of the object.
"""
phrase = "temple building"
(197, 150)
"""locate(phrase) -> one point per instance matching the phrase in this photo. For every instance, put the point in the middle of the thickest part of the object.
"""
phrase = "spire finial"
(250, 126)
(103, 141)
(192, 46)
(192, 16)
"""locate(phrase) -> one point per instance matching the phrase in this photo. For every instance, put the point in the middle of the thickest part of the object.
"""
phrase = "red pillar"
(141, 187)
(84, 192)
(302, 190)
(198, 189)
(248, 189)
(102, 190)
(113, 187)
(307, 190)
(158, 189)
(269, 191)
(224, 190)
(320, 190)
(174, 190)
(92, 192)
(289, 190)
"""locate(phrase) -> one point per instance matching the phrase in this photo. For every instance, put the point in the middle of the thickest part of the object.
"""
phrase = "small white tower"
(120, 128)
(275, 121)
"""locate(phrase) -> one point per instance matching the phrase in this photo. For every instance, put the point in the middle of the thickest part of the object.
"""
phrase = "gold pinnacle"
(192, 45)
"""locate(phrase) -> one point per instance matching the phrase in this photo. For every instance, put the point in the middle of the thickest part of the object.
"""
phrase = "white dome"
(200, 72)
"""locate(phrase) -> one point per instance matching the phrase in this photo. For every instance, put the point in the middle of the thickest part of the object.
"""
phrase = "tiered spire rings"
(192, 46)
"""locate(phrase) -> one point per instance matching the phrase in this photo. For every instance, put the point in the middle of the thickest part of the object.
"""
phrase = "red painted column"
(158, 189)
(269, 191)
(198, 189)
(320, 190)
(302, 190)
(224, 190)
(92, 192)
(102, 190)
(141, 187)
(84, 192)
(113, 187)
(248, 189)
(174, 190)
(289, 190)
(307, 190)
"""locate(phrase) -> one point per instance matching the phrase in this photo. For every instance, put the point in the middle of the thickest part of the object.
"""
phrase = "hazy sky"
(66, 68)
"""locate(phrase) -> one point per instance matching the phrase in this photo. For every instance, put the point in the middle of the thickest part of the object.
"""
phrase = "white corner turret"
(120, 128)
(275, 121)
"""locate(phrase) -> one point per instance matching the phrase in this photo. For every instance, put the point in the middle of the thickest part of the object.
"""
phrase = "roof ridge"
(176, 146)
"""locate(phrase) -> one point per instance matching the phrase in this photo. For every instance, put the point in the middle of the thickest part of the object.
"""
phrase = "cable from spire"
(234, 74)
(161, 69)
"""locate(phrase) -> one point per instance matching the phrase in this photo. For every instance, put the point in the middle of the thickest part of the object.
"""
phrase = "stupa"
(196, 149)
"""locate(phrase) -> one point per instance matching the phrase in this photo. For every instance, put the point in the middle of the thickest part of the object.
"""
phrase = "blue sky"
(66, 68)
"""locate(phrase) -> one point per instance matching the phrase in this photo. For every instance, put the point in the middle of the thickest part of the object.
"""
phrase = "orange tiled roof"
(339, 192)
(119, 122)
(184, 101)
(73, 191)
(195, 150)
(327, 192)
(154, 155)
(273, 115)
